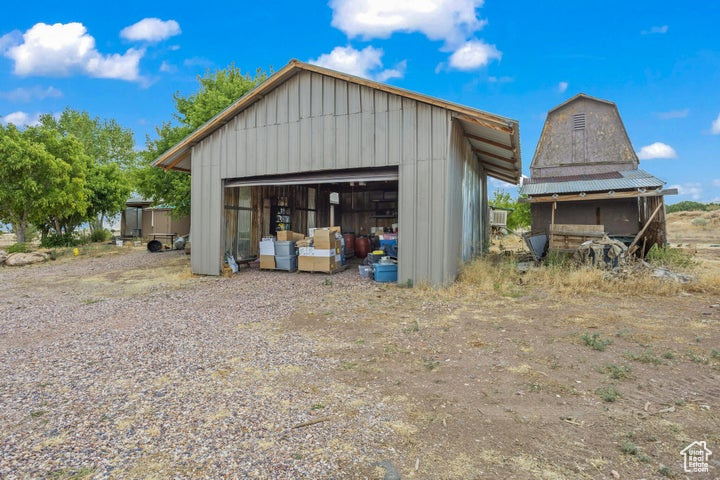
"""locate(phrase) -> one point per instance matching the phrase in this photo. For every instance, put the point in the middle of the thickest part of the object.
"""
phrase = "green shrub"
(699, 222)
(18, 248)
(65, 240)
(686, 206)
(100, 235)
(669, 257)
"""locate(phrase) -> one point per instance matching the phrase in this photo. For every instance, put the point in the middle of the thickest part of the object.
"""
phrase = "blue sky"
(659, 61)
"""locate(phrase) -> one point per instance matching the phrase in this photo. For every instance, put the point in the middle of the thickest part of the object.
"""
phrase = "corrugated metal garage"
(309, 120)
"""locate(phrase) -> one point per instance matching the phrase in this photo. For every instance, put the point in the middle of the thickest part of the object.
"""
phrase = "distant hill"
(696, 226)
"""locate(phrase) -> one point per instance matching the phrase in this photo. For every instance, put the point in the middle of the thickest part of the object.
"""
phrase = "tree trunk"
(19, 231)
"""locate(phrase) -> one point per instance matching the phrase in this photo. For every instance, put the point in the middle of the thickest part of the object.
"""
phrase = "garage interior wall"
(315, 123)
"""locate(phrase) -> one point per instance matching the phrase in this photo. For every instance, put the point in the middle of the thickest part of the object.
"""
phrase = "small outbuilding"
(140, 220)
(387, 157)
(585, 181)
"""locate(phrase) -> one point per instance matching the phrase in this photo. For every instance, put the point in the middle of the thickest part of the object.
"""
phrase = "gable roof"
(586, 97)
(495, 140)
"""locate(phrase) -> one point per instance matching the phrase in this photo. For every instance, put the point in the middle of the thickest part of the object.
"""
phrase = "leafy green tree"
(218, 90)
(25, 169)
(520, 216)
(111, 151)
(42, 178)
(67, 194)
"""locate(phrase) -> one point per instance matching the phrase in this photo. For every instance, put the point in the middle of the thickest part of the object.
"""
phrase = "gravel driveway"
(126, 366)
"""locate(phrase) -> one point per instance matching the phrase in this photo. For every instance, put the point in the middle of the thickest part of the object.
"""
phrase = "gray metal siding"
(469, 204)
(206, 214)
(315, 123)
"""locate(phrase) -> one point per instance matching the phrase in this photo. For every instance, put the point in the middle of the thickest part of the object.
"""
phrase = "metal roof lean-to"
(625, 180)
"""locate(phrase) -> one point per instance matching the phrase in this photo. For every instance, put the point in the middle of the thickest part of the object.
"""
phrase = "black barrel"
(154, 246)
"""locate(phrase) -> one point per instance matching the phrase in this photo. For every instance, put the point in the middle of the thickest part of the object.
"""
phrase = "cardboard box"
(267, 262)
(324, 264)
(289, 236)
(324, 238)
(305, 263)
(317, 264)
(306, 251)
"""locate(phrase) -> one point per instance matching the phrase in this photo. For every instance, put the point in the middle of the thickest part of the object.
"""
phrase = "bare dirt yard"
(124, 365)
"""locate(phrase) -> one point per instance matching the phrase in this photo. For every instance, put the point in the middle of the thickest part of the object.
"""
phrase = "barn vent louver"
(579, 121)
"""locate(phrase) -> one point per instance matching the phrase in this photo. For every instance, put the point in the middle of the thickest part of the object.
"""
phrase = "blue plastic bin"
(385, 273)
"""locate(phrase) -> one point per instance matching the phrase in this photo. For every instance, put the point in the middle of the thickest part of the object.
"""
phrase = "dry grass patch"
(500, 276)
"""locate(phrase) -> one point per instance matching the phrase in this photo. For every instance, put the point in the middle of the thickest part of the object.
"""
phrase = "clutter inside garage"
(325, 227)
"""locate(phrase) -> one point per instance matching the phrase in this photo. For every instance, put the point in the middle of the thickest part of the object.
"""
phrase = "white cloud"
(167, 67)
(562, 87)
(151, 30)
(198, 62)
(673, 114)
(454, 22)
(20, 119)
(715, 128)
(397, 72)
(362, 63)
(33, 93)
(503, 79)
(691, 189)
(716, 182)
(449, 20)
(660, 29)
(656, 150)
(64, 49)
(474, 54)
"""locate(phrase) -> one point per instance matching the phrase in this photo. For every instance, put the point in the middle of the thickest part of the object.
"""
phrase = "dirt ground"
(527, 383)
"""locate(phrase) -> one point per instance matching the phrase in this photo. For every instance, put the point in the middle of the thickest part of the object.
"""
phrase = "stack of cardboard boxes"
(321, 252)
(279, 254)
(324, 254)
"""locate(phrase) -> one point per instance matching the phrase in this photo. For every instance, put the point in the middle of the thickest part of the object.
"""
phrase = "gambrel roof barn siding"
(583, 135)
(307, 119)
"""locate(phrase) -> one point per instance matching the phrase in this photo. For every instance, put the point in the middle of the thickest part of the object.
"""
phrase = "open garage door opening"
(361, 202)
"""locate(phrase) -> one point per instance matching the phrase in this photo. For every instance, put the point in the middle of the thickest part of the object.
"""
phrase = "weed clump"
(616, 372)
(596, 342)
(18, 248)
(609, 393)
(645, 357)
(668, 257)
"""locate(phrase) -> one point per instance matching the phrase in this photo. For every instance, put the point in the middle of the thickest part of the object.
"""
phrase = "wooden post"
(647, 224)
